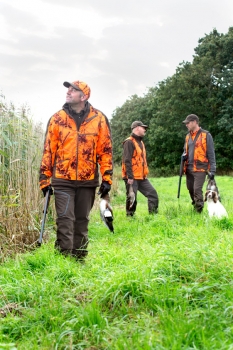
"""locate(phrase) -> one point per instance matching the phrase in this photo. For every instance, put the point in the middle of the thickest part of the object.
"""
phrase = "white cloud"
(164, 64)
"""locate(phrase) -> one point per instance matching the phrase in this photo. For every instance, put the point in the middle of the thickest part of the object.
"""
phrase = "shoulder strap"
(198, 133)
(207, 133)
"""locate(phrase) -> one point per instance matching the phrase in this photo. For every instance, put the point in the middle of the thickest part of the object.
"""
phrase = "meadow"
(159, 282)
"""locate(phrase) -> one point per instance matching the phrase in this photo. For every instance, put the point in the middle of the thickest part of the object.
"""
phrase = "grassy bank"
(158, 282)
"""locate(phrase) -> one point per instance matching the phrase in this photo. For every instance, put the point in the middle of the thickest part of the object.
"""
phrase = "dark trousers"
(195, 182)
(73, 205)
(145, 187)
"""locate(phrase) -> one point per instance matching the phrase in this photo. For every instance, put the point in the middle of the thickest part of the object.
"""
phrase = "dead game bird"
(131, 196)
(106, 214)
(212, 186)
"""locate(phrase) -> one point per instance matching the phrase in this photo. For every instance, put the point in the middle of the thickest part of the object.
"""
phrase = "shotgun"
(183, 159)
(46, 204)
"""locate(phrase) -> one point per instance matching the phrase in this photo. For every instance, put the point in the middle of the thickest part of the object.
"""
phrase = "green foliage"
(158, 282)
(203, 87)
(136, 108)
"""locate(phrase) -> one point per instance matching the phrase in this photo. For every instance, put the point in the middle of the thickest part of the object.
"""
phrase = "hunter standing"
(199, 157)
(77, 143)
(135, 170)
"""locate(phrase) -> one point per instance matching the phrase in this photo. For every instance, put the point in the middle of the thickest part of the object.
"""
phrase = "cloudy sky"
(118, 47)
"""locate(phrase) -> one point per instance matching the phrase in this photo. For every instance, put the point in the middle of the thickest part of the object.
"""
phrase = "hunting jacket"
(134, 164)
(73, 152)
(199, 147)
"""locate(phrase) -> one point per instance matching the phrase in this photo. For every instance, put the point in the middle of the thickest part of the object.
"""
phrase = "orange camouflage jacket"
(74, 154)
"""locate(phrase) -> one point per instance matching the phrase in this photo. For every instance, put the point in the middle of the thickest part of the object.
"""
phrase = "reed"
(21, 142)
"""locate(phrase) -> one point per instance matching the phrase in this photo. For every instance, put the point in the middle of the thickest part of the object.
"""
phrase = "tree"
(135, 108)
(203, 87)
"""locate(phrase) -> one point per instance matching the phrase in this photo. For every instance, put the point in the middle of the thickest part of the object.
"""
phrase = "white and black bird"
(106, 214)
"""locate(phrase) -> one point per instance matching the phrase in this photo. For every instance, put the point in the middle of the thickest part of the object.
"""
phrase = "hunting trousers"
(145, 187)
(73, 205)
(194, 182)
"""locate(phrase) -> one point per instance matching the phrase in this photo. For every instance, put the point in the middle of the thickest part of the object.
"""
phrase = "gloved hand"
(184, 157)
(211, 176)
(105, 187)
(46, 189)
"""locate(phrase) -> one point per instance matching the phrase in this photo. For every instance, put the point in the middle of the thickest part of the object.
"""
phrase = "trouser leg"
(73, 205)
(199, 179)
(195, 181)
(190, 185)
(64, 204)
(84, 201)
(146, 188)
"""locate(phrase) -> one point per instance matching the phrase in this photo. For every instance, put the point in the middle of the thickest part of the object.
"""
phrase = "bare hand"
(130, 181)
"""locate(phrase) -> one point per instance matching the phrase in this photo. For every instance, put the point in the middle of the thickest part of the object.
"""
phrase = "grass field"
(159, 282)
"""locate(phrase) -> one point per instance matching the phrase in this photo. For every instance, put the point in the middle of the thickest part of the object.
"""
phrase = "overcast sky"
(118, 47)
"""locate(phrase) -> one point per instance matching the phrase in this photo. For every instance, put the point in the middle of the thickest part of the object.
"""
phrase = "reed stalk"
(21, 143)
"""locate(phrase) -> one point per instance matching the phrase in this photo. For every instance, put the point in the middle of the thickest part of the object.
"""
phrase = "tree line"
(203, 87)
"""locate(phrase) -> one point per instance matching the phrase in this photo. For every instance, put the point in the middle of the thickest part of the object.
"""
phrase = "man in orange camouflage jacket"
(199, 157)
(77, 144)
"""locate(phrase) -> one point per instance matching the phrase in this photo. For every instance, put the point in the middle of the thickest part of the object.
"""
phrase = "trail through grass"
(158, 282)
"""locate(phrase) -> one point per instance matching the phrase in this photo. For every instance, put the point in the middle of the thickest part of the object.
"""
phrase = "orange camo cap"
(79, 85)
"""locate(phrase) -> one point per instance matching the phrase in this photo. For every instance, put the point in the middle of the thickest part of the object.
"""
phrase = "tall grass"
(21, 143)
(159, 282)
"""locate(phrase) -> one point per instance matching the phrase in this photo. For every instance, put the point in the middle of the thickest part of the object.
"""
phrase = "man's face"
(141, 131)
(74, 96)
(191, 126)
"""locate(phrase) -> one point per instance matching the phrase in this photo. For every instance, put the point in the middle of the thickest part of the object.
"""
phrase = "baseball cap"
(138, 123)
(190, 118)
(79, 85)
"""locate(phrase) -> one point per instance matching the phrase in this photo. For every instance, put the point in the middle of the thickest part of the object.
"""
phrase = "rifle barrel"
(179, 185)
(46, 204)
(181, 173)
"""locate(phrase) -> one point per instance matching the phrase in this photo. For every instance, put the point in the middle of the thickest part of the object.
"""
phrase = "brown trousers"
(73, 205)
(195, 182)
(145, 187)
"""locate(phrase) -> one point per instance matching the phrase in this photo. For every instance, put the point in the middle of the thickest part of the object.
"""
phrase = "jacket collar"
(83, 114)
(136, 137)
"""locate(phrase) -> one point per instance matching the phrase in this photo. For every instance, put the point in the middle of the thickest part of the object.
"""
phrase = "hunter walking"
(77, 143)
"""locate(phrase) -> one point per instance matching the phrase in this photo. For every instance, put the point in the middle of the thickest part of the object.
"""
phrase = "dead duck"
(131, 196)
(106, 213)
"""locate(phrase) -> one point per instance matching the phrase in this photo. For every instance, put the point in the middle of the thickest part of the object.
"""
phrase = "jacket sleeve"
(127, 157)
(104, 150)
(211, 153)
(49, 152)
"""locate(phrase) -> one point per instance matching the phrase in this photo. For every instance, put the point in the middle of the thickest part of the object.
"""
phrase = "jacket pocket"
(201, 165)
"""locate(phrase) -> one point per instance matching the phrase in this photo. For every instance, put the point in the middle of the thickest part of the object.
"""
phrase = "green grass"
(158, 282)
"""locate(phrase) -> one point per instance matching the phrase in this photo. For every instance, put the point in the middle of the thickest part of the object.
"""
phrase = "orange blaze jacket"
(134, 164)
(74, 154)
(200, 150)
